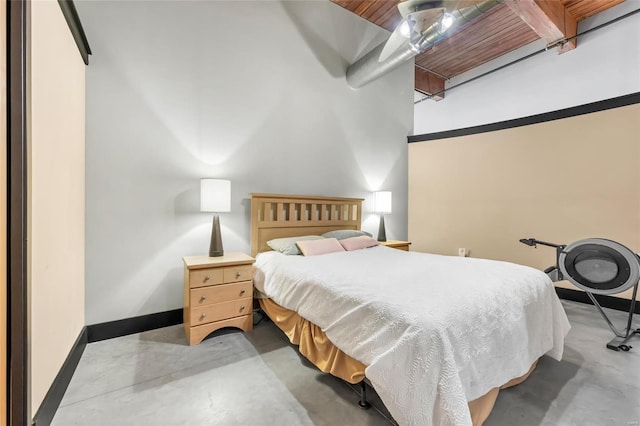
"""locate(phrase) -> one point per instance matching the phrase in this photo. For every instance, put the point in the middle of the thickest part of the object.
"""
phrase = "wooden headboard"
(280, 216)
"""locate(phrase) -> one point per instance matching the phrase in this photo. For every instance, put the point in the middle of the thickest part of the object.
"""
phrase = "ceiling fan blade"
(410, 6)
(396, 39)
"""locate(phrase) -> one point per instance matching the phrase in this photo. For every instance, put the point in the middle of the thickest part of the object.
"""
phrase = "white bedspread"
(435, 331)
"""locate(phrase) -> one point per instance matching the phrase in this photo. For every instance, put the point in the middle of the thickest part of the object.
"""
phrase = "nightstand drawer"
(203, 277)
(220, 293)
(220, 311)
(238, 273)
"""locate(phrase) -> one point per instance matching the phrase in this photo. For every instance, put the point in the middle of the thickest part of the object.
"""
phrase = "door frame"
(17, 296)
(4, 326)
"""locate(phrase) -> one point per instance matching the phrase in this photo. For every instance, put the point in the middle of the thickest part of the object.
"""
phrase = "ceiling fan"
(418, 16)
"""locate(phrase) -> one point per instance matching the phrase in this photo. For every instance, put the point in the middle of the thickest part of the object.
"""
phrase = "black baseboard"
(52, 399)
(123, 327)
(617, 303)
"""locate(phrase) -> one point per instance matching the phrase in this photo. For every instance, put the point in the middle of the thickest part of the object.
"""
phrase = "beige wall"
(559, 181)
(56, 195)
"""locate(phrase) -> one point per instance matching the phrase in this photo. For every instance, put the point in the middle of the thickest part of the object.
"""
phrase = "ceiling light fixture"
(404, 30)
(447, 20)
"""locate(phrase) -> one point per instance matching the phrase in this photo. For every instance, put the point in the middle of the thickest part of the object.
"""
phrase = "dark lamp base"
(215, 248)
(382, 234)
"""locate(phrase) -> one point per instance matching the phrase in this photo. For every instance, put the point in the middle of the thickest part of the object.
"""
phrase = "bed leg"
(265, 317)
(363, 403)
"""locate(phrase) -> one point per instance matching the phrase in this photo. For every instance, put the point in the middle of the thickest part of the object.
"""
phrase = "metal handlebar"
(532, 242)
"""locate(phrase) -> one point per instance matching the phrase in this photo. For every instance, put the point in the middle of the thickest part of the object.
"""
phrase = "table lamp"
(215, 196)
(382, 205)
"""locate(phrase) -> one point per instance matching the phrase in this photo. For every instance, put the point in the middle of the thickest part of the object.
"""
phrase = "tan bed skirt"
(317, 348)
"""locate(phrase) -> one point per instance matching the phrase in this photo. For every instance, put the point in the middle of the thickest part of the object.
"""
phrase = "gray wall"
(249, 91)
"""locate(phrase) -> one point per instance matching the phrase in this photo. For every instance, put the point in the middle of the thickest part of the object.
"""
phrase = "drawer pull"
(206, 278)
(241, 308)
(238, 274)
(203, 298)
(203, 316)
(243, 291)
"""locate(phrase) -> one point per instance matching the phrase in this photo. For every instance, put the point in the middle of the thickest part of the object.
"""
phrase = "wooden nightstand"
(400, 245)
(218, 292)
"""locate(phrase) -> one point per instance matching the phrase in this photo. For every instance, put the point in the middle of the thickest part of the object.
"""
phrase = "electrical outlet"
(462, 252)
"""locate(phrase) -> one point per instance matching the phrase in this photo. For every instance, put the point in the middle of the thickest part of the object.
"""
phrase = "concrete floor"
(258, 378)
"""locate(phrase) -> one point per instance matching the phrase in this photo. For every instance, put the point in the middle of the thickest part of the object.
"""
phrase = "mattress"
(434, 331)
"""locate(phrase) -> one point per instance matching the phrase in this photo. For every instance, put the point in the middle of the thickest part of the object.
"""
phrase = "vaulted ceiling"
(502, 29)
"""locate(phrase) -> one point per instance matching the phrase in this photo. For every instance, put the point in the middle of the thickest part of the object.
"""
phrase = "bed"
(436, 336)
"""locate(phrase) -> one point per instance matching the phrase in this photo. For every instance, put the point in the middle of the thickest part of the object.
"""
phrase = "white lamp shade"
(382, 202)
(215, 195)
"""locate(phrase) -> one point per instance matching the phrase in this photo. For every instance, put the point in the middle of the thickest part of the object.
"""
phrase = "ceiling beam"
(549, 19)
(428, 83)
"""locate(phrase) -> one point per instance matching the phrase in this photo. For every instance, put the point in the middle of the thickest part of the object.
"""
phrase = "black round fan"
(599, 266)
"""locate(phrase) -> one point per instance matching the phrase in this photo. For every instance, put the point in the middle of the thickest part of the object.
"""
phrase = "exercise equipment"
(598, 266)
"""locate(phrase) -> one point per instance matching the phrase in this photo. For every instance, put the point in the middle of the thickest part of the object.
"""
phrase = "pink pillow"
(357, 243)
(316, 247)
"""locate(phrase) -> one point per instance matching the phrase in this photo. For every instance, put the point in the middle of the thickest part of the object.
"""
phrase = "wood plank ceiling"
(504, 28)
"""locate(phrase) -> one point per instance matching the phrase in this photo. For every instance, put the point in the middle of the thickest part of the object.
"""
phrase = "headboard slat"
(298, 215)
(280, 212)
